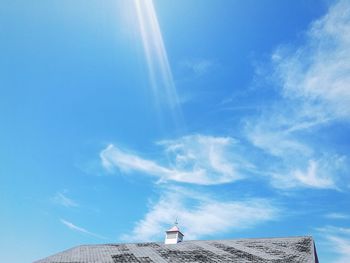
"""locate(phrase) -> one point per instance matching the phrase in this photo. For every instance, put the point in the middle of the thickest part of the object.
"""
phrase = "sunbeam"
(161, 78)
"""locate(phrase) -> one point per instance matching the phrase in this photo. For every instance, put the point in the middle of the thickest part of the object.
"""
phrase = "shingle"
(274, 250)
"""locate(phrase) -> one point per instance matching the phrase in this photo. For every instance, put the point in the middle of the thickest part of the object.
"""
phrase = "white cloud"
(342, 247)
(196, 159)
(338, 241)
(318, 174)
(80, 229)
(313, 81)
(337, 216)
(200, 215)
(271, 135)
(313, 176)
(198, 66)
(63, 200)
(318, 73)
(209, 160)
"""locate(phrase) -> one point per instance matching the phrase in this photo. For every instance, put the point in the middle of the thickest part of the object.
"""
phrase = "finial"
(176, 223)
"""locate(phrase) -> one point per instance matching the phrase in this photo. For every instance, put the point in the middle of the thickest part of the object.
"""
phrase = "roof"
(173, 229)
(276, 250)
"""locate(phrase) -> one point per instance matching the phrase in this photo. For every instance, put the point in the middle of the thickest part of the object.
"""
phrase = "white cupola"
(173, 235)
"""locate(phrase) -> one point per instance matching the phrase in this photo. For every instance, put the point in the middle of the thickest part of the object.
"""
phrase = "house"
(174, 249)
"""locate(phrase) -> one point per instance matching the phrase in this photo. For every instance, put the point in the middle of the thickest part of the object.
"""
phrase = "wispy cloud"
(63, 200)
(313, 177)
(80, 229)
(318, 73)
(337, 216)
(341, 246)
(313, 85)
(198, 67)
(270, 134)
(337, 240)
(321, 174)
(200, 215)
(209, 160)
(196, 159)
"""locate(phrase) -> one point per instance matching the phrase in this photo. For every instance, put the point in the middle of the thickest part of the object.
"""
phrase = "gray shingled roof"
(292, 249)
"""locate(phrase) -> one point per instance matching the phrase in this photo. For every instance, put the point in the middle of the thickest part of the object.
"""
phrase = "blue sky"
(117, 117)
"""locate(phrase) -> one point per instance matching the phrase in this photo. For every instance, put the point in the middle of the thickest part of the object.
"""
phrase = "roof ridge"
(201, 240)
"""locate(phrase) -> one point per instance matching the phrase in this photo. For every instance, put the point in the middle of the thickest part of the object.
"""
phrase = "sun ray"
(160, 74)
